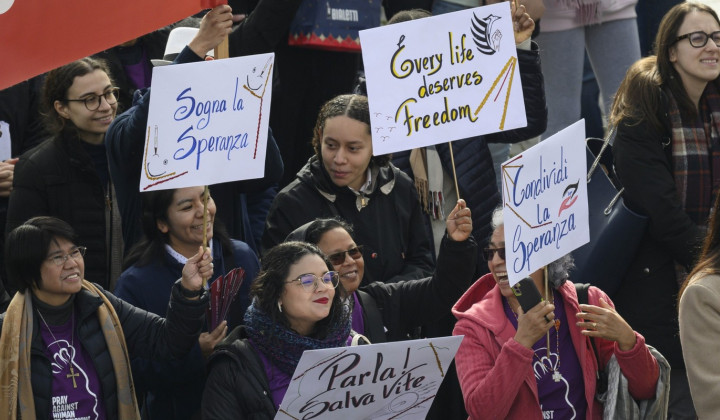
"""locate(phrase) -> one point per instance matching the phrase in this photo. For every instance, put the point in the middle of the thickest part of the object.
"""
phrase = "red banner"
(40, 35)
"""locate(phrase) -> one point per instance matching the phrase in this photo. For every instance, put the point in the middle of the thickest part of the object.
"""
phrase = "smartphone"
(527, 293)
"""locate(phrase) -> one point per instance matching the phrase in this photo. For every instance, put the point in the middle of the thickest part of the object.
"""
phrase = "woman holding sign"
(295, 307)
(345, 179)
(667, 116)
(173, 231)
(66, 342)
(67, 175)
(509, 369)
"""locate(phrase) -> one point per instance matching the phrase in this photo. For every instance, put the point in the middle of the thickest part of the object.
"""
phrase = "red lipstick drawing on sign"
(570, 197)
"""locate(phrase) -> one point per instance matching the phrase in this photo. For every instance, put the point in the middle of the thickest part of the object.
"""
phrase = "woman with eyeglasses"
(65, 343)
(388, 311)
(509, 368)
(66, 176)
(296, 306)
(344, 179)
(667, 116)
(173, 230)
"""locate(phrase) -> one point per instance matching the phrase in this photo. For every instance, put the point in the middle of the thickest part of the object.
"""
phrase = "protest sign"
(39, 35)
(208, 122)
(378, 381)
(442, 78)
(545, 204)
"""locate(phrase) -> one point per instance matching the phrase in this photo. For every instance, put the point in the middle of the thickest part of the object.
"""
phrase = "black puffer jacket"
(237, 386)
(146, 334)
(58, 178)
(390, 226)
(473, 162)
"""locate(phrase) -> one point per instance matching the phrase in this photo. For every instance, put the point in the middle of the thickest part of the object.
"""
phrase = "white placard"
(380, 381)
(208, 122)
(442, 78)
(545, 203)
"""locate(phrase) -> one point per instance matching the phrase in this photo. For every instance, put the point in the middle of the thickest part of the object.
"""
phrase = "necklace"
(557, 376)
(72, 375)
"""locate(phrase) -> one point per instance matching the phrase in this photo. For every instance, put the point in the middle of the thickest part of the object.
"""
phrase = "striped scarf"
(284, 346)
(696, 154)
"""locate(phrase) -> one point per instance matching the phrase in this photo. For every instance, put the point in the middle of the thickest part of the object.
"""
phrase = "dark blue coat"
(175, 388)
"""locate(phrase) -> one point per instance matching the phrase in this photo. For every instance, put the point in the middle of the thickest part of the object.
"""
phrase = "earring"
(279, 306)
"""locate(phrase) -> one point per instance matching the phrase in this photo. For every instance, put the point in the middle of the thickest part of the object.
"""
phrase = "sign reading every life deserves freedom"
(442, 78)
(208, 122)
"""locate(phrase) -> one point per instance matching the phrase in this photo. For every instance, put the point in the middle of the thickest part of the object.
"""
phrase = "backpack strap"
(582, 294)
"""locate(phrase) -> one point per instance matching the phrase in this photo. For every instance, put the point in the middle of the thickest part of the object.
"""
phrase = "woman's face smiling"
(696, 66)
(346, 149)
(58, 282)
(496, 264)
(184, 225)
(351, 270)
(91, 125)
(302, 308)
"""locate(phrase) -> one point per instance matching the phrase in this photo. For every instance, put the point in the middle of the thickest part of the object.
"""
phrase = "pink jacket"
(496, 373)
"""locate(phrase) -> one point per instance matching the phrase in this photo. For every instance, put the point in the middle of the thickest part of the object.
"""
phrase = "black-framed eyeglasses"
(92, 102)
(76, 254)
(489, 253)
(310, 281)
(698, 39)
(339, 257)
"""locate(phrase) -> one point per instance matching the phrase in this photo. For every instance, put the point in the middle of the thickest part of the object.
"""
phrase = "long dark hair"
(640, 94)
(55, 88)
(151, 247)
(709, 260)
(270, 283)
(353, 106)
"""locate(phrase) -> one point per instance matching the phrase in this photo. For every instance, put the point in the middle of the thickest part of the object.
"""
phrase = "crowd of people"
(340, 247)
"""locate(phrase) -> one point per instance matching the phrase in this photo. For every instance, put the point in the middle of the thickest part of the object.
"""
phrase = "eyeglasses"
(92, 102)
(310, 281)
(339, 257)
(76, 254)
(699, 39)
(489, 253)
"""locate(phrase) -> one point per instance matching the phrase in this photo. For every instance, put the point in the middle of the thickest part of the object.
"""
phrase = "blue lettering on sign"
(220, 143)
(537, 186)
(549, 236)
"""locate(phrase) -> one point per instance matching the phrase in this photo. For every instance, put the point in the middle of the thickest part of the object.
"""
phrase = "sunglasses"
(489, 253)
(339, 257)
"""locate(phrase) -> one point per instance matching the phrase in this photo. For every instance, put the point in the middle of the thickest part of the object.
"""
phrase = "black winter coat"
(473, 161)
(58, 178)
(146, 334)
(390, 226)
(403, 306)
(647, 297)
(237, 386)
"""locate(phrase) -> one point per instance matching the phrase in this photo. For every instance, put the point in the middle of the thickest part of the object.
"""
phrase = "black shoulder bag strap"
(602, 382)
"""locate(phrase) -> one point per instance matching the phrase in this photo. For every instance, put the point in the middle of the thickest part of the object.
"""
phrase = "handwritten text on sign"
(545, 203)
(442, 78)
(378, 381)
(208, 122)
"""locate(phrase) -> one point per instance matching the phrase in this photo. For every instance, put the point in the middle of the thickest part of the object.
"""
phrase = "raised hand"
(214, 27)
(533, 325)
(459, 222)
(196, 268)
(208, 340)
(523, 24)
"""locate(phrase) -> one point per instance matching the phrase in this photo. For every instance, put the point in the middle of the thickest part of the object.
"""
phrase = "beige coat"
(700, 338)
